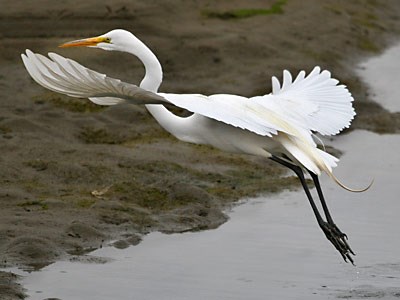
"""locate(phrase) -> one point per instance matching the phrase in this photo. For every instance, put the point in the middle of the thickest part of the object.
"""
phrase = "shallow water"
(382, 74)
(270, 248)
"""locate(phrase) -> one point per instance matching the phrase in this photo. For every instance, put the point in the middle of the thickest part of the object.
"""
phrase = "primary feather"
(68, 77)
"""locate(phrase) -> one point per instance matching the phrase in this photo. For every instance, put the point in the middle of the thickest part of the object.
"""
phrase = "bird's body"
(225, 137)
(279, 125)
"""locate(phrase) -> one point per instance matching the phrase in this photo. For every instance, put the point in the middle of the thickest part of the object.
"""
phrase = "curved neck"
(151, 82)
(153, 70)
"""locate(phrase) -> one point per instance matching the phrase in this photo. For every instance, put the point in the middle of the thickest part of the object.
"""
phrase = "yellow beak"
(85, 42)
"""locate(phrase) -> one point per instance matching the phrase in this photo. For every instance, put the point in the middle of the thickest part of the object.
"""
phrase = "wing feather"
(287, 79)
(70, 71)
(309, 103)
(315, 102)
(233, 110)
(67, 77)
(276, 86)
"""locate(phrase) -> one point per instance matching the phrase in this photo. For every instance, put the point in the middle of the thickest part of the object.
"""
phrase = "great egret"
(278, 126)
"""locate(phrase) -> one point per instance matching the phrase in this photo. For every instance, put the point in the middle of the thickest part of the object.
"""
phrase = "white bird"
(278, 126)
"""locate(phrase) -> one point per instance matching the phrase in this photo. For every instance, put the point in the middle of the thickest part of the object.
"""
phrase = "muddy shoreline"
(75, 176)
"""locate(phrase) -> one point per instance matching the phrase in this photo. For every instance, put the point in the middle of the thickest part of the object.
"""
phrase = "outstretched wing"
(315, 102)
(297, 104)
(67, 77)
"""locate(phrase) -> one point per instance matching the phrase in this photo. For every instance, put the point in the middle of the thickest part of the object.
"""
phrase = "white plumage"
(316, 102)
(65, 76)
(278, 125)
(313, 103)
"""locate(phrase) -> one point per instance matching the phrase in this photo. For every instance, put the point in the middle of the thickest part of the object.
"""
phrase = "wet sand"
(57, 151)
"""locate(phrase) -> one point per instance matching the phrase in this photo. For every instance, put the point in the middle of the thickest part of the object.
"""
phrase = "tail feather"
(314, 159)
(329, 160)
(297, 148)
(337, 181)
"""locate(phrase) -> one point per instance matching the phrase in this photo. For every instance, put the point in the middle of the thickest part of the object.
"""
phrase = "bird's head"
(117, 40)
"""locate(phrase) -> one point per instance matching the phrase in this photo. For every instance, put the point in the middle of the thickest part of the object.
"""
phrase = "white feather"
(67, 77)
(314, 102)
(309, 103)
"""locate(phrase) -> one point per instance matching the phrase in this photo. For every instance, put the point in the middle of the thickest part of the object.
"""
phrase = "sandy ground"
(55, 152)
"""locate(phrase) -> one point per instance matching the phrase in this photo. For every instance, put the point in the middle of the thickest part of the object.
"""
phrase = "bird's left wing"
(68, 77)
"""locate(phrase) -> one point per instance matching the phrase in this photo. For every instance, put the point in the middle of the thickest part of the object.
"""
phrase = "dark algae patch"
(9, 288)
(276, 8)
(374, 117)
(34, 203)
(67, 103)
(92, 135)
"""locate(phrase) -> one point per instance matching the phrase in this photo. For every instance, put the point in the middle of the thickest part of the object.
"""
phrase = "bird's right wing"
(65, 76)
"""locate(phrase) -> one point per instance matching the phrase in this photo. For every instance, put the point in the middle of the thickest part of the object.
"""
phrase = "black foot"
(339, 240)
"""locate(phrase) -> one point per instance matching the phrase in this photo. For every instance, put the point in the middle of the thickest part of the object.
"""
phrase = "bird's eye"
(107, 40)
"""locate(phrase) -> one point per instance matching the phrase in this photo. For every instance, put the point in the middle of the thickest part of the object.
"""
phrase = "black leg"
(321, 197)
(332, 233)
(300, 175)
(328, 216)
